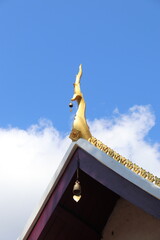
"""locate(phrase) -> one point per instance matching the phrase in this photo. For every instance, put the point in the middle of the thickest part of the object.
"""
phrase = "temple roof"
(103, 181)
(104, 175)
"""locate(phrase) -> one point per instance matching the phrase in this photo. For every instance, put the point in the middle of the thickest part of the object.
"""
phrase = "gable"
(103, 181)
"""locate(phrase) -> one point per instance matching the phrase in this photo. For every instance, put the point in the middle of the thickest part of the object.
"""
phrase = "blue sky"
(42, 44)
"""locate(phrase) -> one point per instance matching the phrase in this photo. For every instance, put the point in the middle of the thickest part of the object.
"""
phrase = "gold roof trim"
(80, 129)
(127, 163)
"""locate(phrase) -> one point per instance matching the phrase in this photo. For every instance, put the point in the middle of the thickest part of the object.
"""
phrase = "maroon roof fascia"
(54, 198)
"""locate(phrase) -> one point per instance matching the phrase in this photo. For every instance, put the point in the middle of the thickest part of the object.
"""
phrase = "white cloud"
(29, 158)
(126, 134)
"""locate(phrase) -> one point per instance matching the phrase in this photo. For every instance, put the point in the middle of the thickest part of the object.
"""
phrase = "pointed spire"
(80, 127)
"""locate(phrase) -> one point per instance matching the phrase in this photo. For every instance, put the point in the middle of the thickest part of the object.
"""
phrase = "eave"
(98, 168)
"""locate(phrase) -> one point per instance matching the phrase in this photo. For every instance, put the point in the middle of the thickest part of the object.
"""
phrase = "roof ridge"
(124, 161)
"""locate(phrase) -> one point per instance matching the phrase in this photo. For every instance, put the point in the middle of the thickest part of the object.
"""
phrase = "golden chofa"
(80, 127)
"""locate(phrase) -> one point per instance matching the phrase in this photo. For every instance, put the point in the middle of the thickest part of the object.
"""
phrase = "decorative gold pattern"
(127, 163)
(157, 181)
(75, 134)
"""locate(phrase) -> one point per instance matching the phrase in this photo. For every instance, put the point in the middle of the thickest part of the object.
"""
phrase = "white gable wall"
(128, 222)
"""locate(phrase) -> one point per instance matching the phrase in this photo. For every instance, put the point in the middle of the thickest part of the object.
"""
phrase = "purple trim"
(118, 184)
(54, 199)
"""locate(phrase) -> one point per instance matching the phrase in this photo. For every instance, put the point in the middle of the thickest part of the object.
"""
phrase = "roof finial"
(80, 127)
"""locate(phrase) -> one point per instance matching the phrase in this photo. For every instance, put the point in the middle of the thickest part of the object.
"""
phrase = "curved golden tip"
(79, 75)
(80, 127)
(80, 67)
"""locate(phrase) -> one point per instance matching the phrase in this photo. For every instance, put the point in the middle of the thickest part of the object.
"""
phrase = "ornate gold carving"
(151, 177)
(157, 181)
(116, 156)
(110, 152)
(75, 135)
(105, 149)
(80, 122)
(143, 173)
(92, 140)
(123, 160)
(99, 145)
(136, 168)
(127, 163)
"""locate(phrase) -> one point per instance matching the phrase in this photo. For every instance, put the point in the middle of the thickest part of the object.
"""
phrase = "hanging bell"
(71, 106)
(77, 191)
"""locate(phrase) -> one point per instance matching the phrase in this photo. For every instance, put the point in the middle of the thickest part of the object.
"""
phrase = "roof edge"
(119, 168)
(105, 159)
(47, 193)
